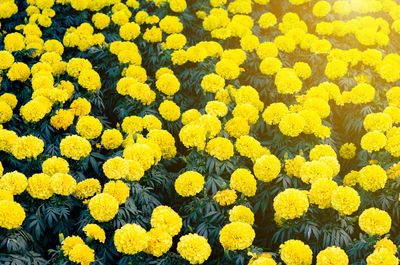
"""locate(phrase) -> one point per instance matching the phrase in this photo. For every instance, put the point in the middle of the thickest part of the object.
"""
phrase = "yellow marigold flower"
(6, 59)
(169, 110)
(267, 49)
(220, 148)
(227, 69)
(332, 255)
(362, 93)
(132, 124)
(167, 219)
(347, 151)
(296, 198)
(89, 79)
(322, 150)
(267, 168)
(341, 7)
(243, 181)
(310, 171)
(111, 139)
(175, 41)
(153, 34)
(237, 127)
(189, 183)
(249, 42)
(375, 221)
(351, 178)
(380, 122)
(274, 113)
(151, 122)
(19, 72)
(62, 119)
(89, 127)
(94, 231)
(246, 111)
(103, 207)
(216, 108)
(136, 171)
(242, 214)
(69, 243)
(177, 5)
(100, 20)
(13, 182)
(118, 189)
(194, 248)
(116, 168)
(294, 252)
(129, 31)
(159, 242)
(165, 140)
(249, 147)
(293, 166)
(87, 188)
(55, 165)
(393, 112)
(62, 184)
(302, 69)
(225, 197)
(142, 153)
(345, 200)
(82, 254)
(14, 42)
(267, 20)
(5, 112)
(386, 243)
(53, 45)
(291, 124)
(372, 178)
(382, 256)
(27, 147)
(392, 145)
(12, 214)
(212, 83)
(287, 81)
(39, 186)
(373, 141)
(270, 65)
(171, 24)
(236, 236)
(321, 192)
(335, 69)
(75, 147)
(81, 107)
(76, 65)
(312, 121)
(36, 109)
(321, 8)
(333, 163)
(168, 84)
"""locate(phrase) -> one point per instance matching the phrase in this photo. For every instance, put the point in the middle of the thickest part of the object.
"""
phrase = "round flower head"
(103, 207)
(166, 218)
(130, 239)
(194, 248)
(375, 221)
(332, 255)
(94, 231)
(11, 214)
(159, 242)
(236, 236)
(294, 252)
(189, 183)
